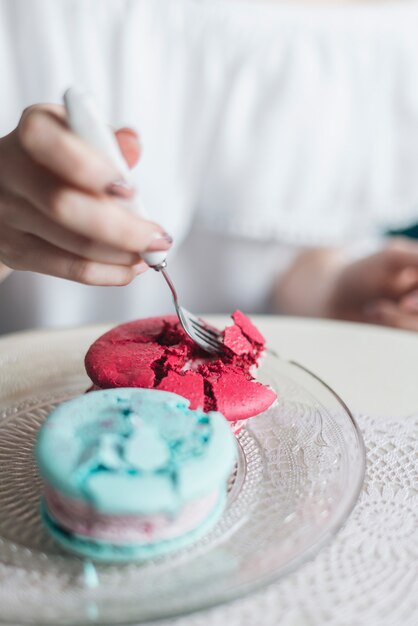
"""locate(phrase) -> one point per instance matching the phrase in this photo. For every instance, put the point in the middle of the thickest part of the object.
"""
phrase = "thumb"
(129, 144)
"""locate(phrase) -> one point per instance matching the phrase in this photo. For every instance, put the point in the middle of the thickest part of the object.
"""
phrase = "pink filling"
(80, 518)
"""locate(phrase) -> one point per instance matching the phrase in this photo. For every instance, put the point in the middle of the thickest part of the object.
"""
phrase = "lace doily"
(369, 574)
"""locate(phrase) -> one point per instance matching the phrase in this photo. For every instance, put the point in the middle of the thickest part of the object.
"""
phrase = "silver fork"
(86, 122)
(207, 337)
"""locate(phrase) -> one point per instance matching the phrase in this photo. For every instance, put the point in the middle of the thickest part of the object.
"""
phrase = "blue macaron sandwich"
(132, 474)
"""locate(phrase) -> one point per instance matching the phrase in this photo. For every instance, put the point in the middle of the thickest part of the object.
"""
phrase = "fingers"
(57, 214)
(23, 251)
(97, 216)
(100, 218)
(21, 216)
(402, 252)
(387, 313)
(403, 281)
(409, 303)
(49, 142)
(393, 271)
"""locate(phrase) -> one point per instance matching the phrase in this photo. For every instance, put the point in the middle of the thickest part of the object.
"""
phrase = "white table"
(369, 574)
(375, 369)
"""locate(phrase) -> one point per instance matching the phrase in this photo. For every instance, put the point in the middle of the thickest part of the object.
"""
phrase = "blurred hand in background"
(381, 288)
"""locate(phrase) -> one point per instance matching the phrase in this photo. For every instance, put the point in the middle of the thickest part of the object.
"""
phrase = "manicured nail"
(126, 130)
(160, 241)
(121, 189)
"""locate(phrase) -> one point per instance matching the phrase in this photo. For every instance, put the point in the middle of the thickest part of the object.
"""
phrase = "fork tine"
(202, 325)
(207, 340)
(199, 323)
(203, 332)
(197, 332)
(213, 343)
(209, 329)
(201, 335)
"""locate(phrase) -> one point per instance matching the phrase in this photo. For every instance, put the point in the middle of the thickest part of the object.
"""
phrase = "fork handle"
(85, 121)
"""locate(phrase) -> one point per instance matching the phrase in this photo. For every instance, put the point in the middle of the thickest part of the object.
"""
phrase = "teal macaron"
(132, 473)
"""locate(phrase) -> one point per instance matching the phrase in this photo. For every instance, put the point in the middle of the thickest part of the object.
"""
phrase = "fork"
(86, 122)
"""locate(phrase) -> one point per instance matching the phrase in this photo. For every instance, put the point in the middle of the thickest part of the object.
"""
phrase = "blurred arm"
(308, 285)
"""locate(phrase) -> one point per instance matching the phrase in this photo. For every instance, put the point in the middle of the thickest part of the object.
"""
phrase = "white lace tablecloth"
(368, 576)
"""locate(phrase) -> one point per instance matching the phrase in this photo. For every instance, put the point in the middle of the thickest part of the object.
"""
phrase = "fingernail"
(160, 241)
(126, 130)
(121, 189)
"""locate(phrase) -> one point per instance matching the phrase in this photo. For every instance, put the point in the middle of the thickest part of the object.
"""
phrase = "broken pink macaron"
(156, 353)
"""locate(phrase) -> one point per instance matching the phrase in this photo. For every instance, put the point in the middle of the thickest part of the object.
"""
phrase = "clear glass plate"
(299, 472)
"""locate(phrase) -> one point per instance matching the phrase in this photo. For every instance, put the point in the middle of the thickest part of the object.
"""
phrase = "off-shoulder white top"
(266, 126)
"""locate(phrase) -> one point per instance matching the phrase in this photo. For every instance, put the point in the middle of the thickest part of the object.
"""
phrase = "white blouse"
(266, 126)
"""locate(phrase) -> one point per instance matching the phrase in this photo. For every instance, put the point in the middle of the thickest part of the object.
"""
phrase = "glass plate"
(299, 472)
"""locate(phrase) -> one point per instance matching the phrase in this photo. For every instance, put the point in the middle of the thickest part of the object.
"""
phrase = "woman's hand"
(403, 314)
(381, 288)
(59, 212)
